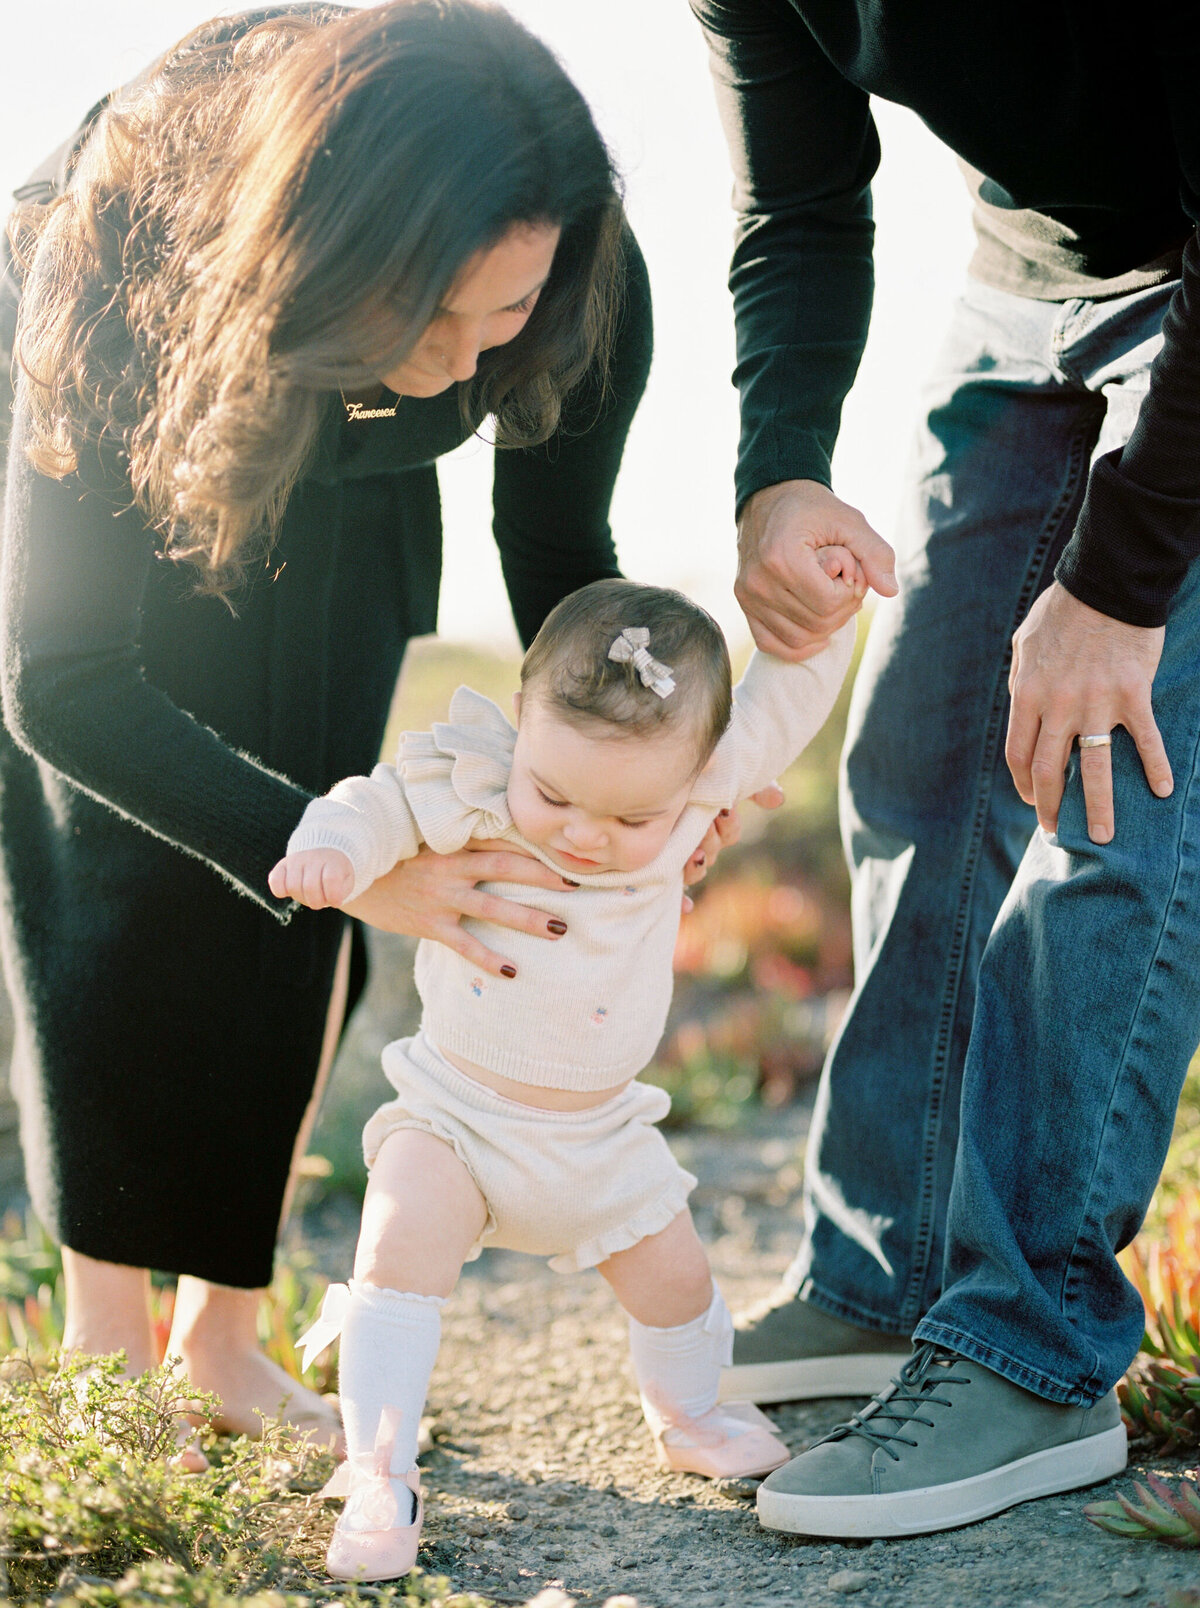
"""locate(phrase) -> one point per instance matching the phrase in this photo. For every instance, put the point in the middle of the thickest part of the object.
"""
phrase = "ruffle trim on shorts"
(650, 1220)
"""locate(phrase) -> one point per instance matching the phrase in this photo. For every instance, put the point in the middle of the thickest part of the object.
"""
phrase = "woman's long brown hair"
(276, 210)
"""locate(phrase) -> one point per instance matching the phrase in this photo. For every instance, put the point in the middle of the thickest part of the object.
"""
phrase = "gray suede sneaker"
(789, 1350)
(948, 1442)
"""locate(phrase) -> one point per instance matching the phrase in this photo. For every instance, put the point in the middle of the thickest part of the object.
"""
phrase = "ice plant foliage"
(1164, 1511)
(1161, 1394)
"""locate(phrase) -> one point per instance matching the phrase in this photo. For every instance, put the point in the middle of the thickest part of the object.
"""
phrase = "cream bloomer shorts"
(575, 1186)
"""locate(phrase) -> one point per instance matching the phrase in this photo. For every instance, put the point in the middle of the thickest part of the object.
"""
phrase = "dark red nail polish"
(508, 971)
(556, 926)
(569, 883)
(701, 859)
(723, 813)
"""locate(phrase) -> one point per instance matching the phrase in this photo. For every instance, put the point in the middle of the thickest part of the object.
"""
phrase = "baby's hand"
(841, 562)
(314, 877)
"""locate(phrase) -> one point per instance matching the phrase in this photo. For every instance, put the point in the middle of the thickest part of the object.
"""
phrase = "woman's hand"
(1078, 673)
(725, 830)
(427, 897)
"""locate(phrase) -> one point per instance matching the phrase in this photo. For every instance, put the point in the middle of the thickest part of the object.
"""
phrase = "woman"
(304, 256)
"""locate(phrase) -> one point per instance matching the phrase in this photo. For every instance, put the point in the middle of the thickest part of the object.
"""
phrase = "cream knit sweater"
(586, 1012)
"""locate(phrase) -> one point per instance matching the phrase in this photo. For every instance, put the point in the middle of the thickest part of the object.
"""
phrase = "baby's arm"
(346, 840)
(778, 710)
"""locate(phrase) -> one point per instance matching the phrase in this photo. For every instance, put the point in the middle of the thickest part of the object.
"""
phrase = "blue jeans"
(994, 1115)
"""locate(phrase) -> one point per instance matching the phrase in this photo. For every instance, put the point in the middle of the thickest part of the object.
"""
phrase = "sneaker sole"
(810, 1378)
(943, 1507)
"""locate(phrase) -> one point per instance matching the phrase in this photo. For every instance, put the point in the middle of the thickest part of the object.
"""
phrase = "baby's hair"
(568, 664)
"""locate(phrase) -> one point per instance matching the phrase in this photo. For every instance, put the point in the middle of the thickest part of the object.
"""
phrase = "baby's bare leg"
(664, 1279)
(421, 1216)
(680, 1337)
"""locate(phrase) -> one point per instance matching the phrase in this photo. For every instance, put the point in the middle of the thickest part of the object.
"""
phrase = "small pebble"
(848, 1580)
(606, 1529)
(630, 1563)
(743, 1489)
(474, 1527)
(516, 1511)
(1125, 1583)
(559, 1498)
(554, 1554)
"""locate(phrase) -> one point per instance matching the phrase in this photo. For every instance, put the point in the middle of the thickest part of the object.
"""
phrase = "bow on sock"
(328, 1325)
(367, 1481)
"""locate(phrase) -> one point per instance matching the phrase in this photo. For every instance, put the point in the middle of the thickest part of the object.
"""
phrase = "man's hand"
(427, 897)
(794, 591)
(1077, 672)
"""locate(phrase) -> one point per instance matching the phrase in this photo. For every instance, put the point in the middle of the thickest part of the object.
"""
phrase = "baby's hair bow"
(633, 646)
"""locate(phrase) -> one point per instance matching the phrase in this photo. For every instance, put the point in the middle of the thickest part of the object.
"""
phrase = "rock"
(516, 1511)
(849, 1580)
(606, 1529)
(621, 1602)
(559, 1498)
(554, 1554)
(744, 1490)
(1125, 1583)
(475, 1528)
(551, 1597)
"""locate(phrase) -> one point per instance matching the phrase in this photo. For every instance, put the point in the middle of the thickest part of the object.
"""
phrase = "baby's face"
(597, 802)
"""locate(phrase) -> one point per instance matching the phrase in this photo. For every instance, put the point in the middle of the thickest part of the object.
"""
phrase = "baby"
(518, 1120)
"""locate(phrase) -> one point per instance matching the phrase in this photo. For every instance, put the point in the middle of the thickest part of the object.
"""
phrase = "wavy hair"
(275, 210)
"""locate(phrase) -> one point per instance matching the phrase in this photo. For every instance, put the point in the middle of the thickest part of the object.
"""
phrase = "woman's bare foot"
(251, 1387)
(215, 1335)
(108, 1310)
(189, 1459)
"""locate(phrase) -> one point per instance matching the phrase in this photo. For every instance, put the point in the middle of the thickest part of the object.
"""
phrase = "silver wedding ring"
(1102, 739)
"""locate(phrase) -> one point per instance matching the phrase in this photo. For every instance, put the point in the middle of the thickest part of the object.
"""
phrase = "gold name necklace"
(357, 411)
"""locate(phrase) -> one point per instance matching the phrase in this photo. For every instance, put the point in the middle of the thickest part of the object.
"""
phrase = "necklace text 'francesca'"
(356, 411)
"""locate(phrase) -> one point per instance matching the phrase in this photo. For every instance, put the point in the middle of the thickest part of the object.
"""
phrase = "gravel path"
(541, 1479)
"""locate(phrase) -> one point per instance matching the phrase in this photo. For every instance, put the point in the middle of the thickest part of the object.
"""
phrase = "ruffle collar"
(456, 776)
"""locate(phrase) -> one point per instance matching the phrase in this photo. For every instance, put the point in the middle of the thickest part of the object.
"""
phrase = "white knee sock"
(681, 1367)
(389, 1346)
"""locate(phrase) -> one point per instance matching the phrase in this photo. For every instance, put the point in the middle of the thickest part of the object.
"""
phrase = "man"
(993, 1117)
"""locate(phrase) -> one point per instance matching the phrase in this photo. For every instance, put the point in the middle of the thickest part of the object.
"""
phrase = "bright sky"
(642, 65)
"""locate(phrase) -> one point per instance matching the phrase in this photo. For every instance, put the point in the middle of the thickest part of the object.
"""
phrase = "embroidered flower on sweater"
(477, 987)
(600, 1016)
(628, 891)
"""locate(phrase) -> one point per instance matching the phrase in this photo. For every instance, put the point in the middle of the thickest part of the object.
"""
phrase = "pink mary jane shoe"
(367, 1542)
(732, 1441)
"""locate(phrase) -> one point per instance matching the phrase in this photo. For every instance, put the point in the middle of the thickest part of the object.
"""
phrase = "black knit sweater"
(158, 750)
(1081, 125)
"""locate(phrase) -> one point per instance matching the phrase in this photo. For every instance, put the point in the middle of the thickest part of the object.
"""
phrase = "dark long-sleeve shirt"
(1082, 128)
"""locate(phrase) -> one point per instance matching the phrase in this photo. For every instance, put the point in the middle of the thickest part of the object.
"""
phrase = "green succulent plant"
(1164, 1511)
